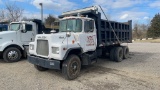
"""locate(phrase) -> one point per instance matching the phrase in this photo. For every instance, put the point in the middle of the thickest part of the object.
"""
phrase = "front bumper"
(47, 63)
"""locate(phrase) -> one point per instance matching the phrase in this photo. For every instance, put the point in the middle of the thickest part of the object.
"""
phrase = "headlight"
(55, 50)
(31, 46)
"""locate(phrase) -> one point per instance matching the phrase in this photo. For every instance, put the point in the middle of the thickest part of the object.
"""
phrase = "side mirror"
(53, 31)
(68, 34)
(91, 30)
(23, 31)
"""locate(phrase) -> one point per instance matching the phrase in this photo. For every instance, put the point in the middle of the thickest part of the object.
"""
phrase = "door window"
(89, 26)
(28, 27)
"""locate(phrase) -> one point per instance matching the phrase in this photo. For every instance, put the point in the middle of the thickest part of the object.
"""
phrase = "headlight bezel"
(31, 46)
(55, 50)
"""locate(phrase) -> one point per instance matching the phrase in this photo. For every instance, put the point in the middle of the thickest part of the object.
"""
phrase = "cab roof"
(75, 17)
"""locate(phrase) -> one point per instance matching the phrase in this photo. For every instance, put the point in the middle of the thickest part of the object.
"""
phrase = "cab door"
(90, 36)
(27, 34)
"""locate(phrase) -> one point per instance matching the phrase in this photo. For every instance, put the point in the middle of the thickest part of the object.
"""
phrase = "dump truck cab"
(75, 32)
(82, 38)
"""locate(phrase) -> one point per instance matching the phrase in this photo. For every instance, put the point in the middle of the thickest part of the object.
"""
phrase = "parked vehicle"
(56, 25)
(14, 42)
(83, 37)
(3, 27)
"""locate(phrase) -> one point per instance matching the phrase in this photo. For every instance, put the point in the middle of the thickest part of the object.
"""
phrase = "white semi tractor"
(82, 38)
(15, 41)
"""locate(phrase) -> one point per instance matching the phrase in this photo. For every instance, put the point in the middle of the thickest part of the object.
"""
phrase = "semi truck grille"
(42, 47)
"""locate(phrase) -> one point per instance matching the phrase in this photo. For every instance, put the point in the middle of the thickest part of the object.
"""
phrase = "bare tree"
(49, 20)
(136, 32)
(13, 11)
(140, 31)
(2, 14)
(24, 18)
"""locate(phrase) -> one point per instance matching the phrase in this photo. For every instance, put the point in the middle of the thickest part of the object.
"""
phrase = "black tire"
(103, 54)
(39, 68)
(71, 67)
(125, 52)
(118, 56)
(111, 54)
(12, 54)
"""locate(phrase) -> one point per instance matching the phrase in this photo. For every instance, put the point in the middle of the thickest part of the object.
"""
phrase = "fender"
(69, 51)
(6, 44)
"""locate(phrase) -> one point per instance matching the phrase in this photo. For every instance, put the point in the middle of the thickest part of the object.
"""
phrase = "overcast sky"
(119, 10)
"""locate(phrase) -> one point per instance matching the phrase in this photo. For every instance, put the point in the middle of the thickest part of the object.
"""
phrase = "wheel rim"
(74, 68)
(12, 55)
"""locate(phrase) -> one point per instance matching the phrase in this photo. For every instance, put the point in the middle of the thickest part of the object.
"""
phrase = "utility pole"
(41, 4)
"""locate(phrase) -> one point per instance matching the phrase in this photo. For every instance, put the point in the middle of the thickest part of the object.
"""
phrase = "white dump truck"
(83, 37)
(15, 41)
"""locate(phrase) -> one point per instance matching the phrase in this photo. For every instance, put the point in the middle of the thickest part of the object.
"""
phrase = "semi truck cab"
(14, 42)
(26, 30)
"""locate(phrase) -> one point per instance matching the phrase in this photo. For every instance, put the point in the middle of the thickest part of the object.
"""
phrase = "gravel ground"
(140, 72)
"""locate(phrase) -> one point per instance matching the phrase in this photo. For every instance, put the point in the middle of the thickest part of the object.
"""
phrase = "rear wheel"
(71, 67)
(112, 53)
(39, 68)
(125, 52)
(12, 54)
(118, 56)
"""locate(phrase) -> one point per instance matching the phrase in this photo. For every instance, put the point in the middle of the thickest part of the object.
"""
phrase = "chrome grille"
(42, 47)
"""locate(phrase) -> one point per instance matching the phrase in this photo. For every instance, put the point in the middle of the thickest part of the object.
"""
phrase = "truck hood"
(56, 37)
(7, 33)
(7, 36)
(59, 40)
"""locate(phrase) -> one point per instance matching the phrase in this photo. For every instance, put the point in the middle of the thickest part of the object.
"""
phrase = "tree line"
(149, 30)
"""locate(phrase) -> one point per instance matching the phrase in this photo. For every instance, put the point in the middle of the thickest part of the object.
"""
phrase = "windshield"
(74, 25)
(14, 26)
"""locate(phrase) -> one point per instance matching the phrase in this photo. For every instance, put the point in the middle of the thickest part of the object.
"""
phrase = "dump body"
(41, 28)
(116, 33)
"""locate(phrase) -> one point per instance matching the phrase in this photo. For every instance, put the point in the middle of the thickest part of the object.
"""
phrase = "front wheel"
(71, 67)
(12, 54)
